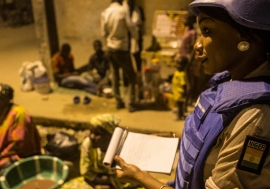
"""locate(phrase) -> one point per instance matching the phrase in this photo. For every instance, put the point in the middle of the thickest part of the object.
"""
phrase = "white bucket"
(42, 85)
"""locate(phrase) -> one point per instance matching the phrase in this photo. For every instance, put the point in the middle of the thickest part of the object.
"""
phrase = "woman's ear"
(244, 40)
(244, 35)
(249, 35)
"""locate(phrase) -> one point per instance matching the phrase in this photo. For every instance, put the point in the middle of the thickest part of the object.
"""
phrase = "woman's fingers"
(124, 173)
(129, 172)
(119, 161)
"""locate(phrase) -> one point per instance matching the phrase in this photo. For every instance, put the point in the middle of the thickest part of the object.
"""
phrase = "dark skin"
(217, 49)
(64, 53)
(100, 52)
(100, 138)
(181, 64)
(98, 47)
(5, 106)
(6, 96)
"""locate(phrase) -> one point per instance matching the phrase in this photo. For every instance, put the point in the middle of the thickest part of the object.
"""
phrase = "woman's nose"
(198, 47)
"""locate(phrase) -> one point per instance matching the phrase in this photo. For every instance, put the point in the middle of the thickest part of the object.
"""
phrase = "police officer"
(226, 139)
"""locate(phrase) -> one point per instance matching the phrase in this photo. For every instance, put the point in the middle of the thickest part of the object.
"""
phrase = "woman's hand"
(129, 173)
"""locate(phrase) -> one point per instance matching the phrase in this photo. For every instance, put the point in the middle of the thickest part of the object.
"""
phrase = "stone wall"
(78, 23)
(80, 19)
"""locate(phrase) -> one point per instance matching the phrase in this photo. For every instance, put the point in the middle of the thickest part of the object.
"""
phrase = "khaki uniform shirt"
(220, 168)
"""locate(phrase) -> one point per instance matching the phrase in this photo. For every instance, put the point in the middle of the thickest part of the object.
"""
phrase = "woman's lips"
(203, 60)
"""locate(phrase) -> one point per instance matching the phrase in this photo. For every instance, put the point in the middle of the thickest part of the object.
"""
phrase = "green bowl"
(35, 170)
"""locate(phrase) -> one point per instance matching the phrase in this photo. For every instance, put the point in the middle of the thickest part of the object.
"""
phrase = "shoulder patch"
(253, 154)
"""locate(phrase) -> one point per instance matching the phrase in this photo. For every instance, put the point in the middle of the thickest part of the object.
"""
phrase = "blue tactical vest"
(214, 110)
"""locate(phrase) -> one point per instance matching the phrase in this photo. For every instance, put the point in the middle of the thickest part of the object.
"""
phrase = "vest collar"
(220, 78)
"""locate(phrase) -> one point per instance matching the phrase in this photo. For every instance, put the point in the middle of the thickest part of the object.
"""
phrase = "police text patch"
(253, 155)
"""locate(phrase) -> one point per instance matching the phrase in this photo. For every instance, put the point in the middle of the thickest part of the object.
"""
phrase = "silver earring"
(243, 46)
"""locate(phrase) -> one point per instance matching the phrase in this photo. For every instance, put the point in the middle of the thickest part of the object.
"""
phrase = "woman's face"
(4, 103)
(100, 138)
(217, 46)
(97, 46)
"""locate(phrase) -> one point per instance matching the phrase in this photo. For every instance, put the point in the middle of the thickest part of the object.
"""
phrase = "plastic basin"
(38, 171)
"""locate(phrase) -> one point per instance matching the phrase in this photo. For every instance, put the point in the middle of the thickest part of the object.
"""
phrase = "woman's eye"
(205, 31)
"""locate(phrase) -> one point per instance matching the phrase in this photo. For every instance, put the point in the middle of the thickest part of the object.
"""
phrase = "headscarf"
(106, 121)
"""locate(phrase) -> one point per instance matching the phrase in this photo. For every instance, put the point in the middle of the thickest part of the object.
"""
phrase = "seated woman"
(19, 137)
(93, 173)
(93, 151)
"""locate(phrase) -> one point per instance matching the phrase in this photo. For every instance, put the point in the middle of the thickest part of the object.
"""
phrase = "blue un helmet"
(250, 13)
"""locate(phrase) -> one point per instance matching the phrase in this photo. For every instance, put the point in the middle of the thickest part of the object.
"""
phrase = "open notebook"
(148, 152)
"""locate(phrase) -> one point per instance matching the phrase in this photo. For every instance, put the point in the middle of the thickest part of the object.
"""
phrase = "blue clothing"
(78, 82)
(214, 110)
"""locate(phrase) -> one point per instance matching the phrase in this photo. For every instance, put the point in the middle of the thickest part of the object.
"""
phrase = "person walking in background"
(115, 25)
(137, 18)
(65, 73)
(188, 39)
(98, 70)
(225, 141)
(19, 137)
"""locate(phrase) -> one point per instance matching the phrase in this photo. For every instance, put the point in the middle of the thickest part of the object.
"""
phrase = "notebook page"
(150, 153)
